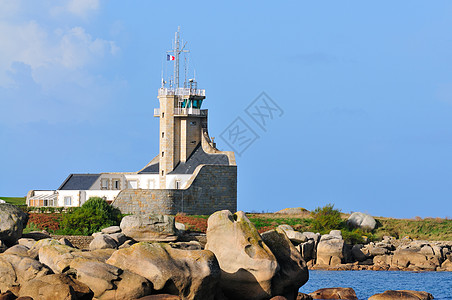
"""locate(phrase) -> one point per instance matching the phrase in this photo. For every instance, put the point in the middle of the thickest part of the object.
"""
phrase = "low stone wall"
(213, 189)
(79, 241)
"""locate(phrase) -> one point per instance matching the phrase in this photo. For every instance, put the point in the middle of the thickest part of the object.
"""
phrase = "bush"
(91, 217)
(326, 218)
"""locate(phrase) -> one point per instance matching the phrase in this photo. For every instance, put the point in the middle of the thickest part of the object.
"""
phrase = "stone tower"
(181, 125)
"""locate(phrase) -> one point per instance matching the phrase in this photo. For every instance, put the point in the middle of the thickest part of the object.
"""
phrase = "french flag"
(170, 57)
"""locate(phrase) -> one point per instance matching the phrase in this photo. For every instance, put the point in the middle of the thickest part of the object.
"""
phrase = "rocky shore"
(151, 257)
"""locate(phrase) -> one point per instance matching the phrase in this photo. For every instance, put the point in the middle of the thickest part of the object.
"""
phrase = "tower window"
(163, 172)
(163, 135)
(116, 184)
(163, 153)
(163, 114)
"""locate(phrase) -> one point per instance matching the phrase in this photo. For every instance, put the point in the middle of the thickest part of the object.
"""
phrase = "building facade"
(189, 174)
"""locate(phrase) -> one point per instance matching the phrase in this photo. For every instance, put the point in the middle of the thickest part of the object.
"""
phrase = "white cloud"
(82, 7)
(78, 8)
(49, 69)
(31, 44)
(9, 8)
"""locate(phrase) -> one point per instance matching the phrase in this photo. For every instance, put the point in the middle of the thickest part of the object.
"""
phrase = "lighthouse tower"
(181, 118)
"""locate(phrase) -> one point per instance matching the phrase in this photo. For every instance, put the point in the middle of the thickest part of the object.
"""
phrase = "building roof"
(198, 157)
(79, 182)
(151, 169)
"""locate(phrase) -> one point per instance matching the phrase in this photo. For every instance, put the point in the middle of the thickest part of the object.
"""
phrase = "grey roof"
(79, 182)
(152, 169)
(197, 158)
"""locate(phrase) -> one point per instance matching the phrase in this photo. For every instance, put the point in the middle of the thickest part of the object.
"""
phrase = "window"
(193, 142)
(163, 135)
(193, 123)
(116, 184)
(104, 184)
(163, 172)
(163, 153)
(67, 200)
(132, 184)
(177, 184)
(151, 184)
(163, 114)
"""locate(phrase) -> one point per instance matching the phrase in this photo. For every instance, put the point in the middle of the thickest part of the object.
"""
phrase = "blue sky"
(365, 89)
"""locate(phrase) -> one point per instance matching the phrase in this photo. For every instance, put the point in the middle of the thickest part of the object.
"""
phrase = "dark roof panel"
(199, 157)
(79, 182)
(152, 169)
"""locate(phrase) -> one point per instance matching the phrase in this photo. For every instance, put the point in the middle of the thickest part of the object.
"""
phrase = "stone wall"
(78, 241)
(213, 188)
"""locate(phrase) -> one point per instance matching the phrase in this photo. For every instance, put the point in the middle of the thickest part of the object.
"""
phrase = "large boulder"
(149, 228)
(15, 270)
(295, 236)
(413, 258)
(293, 272)
(12, 222)
(191, 274)
(247, 264)
(55, 286)
(405, 295)
(103, 241)
(334, 293)
(362, 220)
(330, 250)
(307, 250)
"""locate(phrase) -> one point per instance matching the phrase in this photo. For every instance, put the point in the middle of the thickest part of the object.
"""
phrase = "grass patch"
(435, 229)
(15, 200)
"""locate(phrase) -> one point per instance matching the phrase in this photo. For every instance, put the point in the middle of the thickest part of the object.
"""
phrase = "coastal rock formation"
(405, 295)
(191, 274)
(293, 272)
(149, 228)
(295, 236)
(16, 270)
(334, 293)
(12, 222)
(254, 266)
(330, 250)
(362, 220)
(247, 264)
(292, 211)
(55, 286)
(103, 241)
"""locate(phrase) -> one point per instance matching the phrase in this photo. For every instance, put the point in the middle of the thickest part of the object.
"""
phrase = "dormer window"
(104, 184)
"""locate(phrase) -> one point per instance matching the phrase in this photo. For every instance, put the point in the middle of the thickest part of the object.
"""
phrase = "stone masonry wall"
(214, 188)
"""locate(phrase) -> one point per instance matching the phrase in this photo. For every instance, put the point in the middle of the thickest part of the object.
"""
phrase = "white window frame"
(102, 181)
(66, 202)
(129, 183)
(113, 184)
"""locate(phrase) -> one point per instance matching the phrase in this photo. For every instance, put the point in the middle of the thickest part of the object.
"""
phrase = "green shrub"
(91, 217)
(326, 218)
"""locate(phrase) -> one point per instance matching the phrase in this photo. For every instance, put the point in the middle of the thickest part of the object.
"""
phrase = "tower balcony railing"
(184, 112)
(182, 92)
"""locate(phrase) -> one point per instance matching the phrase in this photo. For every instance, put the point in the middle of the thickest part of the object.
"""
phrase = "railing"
(184, 112)
(182, 92)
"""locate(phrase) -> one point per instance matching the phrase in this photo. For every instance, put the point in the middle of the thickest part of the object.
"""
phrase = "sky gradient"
(365, 92)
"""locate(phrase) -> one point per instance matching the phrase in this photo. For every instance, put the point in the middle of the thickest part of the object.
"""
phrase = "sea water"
(368, 283)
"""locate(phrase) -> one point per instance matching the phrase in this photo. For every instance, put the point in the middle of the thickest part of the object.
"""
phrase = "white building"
(185, 147)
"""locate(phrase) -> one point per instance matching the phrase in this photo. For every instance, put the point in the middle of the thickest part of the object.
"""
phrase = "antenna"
(177, 51)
